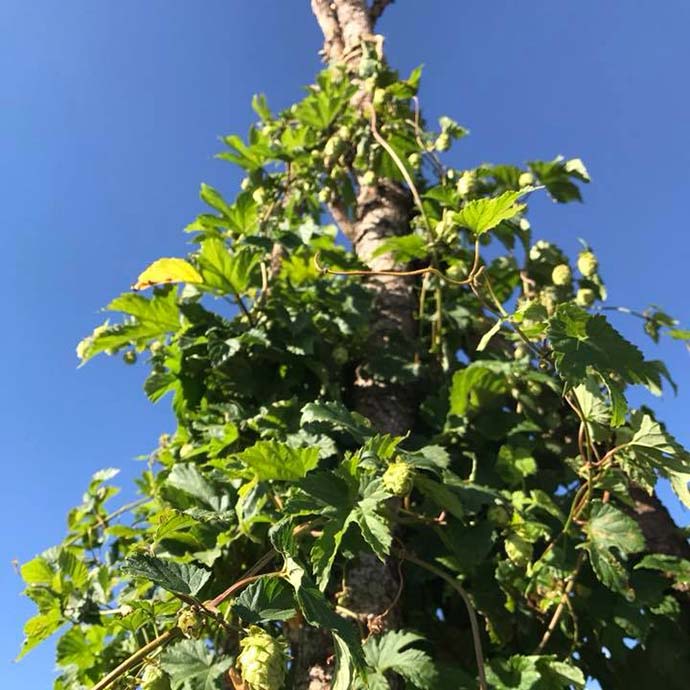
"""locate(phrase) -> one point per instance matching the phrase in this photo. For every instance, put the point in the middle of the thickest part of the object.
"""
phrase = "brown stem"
(137, 657)
(560, 608)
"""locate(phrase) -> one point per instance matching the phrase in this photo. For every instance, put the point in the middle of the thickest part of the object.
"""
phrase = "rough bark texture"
(383, 210)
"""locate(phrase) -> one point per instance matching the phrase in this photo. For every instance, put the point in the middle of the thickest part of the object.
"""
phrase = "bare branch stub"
(378, 7)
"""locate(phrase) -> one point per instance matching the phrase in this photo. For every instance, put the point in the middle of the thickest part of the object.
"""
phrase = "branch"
(377, 8)
(137, 657)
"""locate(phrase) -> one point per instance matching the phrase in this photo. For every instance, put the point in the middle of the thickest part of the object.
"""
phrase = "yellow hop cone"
(587, 264)
(399, 478)
(561, 275)
(262, 661)
(585, 297)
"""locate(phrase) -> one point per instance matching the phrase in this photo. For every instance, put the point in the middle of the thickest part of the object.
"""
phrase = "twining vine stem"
(474, 624)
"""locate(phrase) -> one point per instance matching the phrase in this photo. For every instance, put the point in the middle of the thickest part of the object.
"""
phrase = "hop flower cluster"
(399, 478)
(587, 264)
(189, 623)
(561, 275)
(154, 678)
(262, 661)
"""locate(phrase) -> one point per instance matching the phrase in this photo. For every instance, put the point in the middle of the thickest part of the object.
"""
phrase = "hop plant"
(561, 275)
(548, 297)
(585, 297)
(399, 478)
(154, 678)
(526, 179)
(262, 661)
(587, 264)
(189, 623)
(466, 183)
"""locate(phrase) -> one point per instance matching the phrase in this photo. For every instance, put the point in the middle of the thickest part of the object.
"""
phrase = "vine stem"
(137, 657)
(417, 272)
(474, 624)
(553, 623)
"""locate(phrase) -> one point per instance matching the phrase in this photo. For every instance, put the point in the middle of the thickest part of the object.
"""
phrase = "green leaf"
(672, 566)
(226, 272)
(533, 673)
(556, 176)
(317, 611)
(373, 524)
(475, 385)
(172, 524)
(179, 578)
(593, 406)
(267, 599)
(393, 651)
(482, 215)
(214, 199)
(40, 628)
(187, 478)
(403, 247)
(37, 571)
(151, 319)
(272, 460)
(193, 666)
(610, 528)
(680, 481)
(582, 343)
(443, 496)
(337, 415)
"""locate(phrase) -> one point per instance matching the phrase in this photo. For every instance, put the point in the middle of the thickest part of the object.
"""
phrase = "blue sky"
(109, 118)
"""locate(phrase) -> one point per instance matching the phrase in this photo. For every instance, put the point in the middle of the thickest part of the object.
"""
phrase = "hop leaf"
(587, 264)
(399, 478)
(561, 275)
(262, 661)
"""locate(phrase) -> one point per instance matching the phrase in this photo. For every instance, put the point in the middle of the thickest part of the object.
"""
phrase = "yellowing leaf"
(167, 271)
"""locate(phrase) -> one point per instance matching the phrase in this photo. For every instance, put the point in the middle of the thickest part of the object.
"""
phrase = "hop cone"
(587, 264)
(262, 660)
(399, 478)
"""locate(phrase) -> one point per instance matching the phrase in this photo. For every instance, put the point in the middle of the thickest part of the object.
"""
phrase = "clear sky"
(109, 118)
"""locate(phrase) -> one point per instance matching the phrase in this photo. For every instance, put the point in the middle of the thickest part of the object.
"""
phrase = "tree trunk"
(382, 210)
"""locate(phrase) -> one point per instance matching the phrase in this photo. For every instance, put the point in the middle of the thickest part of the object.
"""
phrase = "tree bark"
(383, 210)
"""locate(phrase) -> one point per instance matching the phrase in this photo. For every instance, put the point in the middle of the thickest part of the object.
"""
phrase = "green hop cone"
(262, 661)
(154, 678)
(585, 297)
(548, 298)
(189, 622)
(415, 160)
(466, 183)
(399, 478)
(561, 275)
(587, 264)
(129, 357)
(526, 179)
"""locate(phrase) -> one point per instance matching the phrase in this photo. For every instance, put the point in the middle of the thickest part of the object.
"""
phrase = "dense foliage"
(505, 513)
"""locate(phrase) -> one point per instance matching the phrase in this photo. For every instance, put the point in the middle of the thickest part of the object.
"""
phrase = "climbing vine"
(506, 516)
